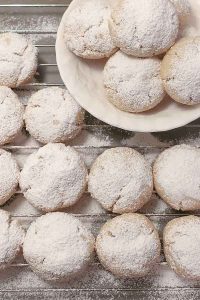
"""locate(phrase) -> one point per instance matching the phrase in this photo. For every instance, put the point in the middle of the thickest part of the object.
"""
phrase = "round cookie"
(9, 176)
(86, 31)
(144, 28)
(11, 115)
(182, 246)
(58, 247)
(128, 246)
(52, 115)
(54, 177)
(18, 59)
(180, 71)
(11, 239)
(133, 84)
(121, 180)
(183, 8)
(177, 176)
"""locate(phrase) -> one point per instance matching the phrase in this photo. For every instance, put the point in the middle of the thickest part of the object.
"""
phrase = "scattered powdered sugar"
(11, 239)
(128, 245)
(177, 177)
(57, 246)
(54, 177)
(121, 180)
(144, 28)
(182, 246)
(86, 30)
(133, 84)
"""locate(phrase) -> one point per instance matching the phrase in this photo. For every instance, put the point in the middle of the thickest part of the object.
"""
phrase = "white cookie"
(177, 177)
(54, 177)
(128, 246)
(52, 115)
(144, 28)
(58, 247)
(11, 239)
(121, 180)
(86, 31)
(9, 176)
(183, 8)
(11, 115)
(18, 60)
(133, 84)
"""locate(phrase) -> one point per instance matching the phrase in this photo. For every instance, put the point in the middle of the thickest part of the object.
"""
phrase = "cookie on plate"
(133, 84)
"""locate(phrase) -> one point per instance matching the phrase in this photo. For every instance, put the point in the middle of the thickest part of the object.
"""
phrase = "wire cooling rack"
(38, 21)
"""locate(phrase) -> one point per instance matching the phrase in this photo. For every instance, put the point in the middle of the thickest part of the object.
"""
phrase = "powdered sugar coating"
(182, 246)
(128, 245)
(52, 115)
(9, 176)
(11, 239)
(177, 177)
(18, 59)
(180, 71)
(86, 30)
(133, 84)
(144, 28)
(183, 8)
(58, 247)
(54, 177)
(121, 180)
(11, 115)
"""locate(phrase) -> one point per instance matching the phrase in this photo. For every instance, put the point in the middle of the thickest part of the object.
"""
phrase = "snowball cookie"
(183, 8)
(52, 115)
(121, 180)
(133, 84)
(128, 245)
(86, 31)
(180, 71)
(54, 177)
(182, 246)
(11, 115)
(144, 28)
(58, 247)
(11, 239)
(18, 60)
(177, 177)
(9, 176)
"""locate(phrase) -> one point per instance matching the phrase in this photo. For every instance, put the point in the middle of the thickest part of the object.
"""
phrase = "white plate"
(84, 80)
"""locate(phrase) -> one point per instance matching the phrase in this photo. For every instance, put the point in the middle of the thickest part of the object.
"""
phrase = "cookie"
(182, 246)
(58, 247)
(11, 239)
(128, 246)
(144, 28)
(52, 115)
(9, 176)
(133, 84)
(177, 176)
(183, 8)
(54, 177)
(18, 59)
(11, 115)
(121, 180)
(180, 71)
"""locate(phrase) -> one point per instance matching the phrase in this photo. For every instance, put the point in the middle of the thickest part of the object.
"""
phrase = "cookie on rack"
(182, 246)
(52, 115)
(133, 84)
(54, 177)
(9, 176)
(177, 176)
(180, 71)
(128, 246)
(121, 180)
(86, 31)
(11, 239)
(144, 28)
(58, 247)
(11, 115)
(18, 59)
